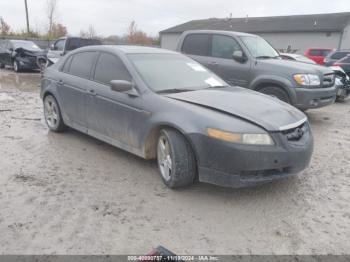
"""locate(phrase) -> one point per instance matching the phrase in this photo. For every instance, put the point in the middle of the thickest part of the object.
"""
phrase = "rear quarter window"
(196, 44)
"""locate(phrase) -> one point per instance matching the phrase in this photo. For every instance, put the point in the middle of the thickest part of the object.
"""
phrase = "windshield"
(163, 72)
(25, 45)
(258, 47)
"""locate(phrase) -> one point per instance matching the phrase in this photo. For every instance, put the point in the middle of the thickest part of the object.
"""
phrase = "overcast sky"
(112, 17)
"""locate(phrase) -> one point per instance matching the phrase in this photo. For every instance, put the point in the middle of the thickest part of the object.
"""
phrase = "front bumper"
(234, 165)
(28, 63)
(308, 98)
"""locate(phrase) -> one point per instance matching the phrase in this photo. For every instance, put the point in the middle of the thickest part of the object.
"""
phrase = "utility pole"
(25, 3)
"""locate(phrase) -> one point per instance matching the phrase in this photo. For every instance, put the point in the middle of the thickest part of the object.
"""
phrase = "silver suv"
(249, 61)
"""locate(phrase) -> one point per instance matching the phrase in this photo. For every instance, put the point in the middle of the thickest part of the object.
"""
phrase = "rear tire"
(176, 161)
(2, 66)
(52, 113)
(276, 92)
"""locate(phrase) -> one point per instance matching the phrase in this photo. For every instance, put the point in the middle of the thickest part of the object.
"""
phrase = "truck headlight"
(241, 138)
(307, 79)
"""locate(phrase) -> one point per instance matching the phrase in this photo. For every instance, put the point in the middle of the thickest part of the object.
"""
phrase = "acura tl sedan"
(162, 105)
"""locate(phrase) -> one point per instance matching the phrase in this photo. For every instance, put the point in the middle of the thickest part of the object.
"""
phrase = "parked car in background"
(344, 63)
(21, 55)
(297, 58)
(342, 81)
(334, 56)
(318, 54)
(163, 105)
(249, 61)
(66, 44)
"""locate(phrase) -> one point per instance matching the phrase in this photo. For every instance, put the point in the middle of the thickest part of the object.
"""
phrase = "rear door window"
(224, 46)
(196, 44)
(82, 63)
(72, 43)
(315, 52)
(110, 67)
(339, 55)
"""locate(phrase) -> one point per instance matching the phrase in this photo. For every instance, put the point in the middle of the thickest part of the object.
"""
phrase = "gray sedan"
(162, 105)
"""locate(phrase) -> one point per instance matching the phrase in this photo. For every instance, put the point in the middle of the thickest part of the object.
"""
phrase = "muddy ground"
(71, 194)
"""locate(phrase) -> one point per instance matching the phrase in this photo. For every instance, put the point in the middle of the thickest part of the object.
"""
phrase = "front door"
(221, 61)
(114, 116)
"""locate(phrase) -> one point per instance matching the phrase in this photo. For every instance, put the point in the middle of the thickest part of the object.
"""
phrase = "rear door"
(74, 85)
(8, 50)
(114, 116)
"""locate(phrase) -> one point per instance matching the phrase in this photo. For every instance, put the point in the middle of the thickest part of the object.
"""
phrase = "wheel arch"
(150, 144)
(275, 82)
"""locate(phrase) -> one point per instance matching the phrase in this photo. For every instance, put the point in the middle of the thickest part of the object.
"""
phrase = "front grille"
(328, 80)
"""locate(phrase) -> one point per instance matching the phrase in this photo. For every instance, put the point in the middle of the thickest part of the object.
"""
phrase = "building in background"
(295, 33)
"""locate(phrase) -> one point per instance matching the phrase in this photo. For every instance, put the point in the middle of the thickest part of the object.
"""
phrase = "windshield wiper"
(267, 57)
(174, 90)
(210, 87)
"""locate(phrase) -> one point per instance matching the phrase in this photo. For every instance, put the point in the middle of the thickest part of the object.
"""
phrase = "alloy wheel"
(164, 158)
(51, 112)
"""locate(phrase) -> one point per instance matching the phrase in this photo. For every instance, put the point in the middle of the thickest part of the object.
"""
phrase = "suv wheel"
(2, 65)
(176, 161)
(276, 92)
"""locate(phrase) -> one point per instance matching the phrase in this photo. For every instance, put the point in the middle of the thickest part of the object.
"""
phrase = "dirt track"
(71, 194)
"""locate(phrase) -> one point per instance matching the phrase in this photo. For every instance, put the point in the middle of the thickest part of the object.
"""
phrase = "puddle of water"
(25, 82)
(5, 97)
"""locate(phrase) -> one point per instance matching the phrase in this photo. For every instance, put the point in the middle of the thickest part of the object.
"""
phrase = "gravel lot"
(71, 194)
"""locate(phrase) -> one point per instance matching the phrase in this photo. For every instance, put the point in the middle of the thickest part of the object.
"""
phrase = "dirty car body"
(21, 55)
(238, 137)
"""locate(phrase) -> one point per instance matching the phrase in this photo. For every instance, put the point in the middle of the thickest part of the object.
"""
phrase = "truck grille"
(328, 80)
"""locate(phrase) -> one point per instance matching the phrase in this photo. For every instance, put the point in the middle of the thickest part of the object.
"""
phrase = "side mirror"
(11, 49)
(121, 85)
(52, 47)
(239, 56)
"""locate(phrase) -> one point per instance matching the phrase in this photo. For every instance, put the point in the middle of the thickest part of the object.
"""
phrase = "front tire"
(52, 113)
(16, 66)
(276, 92)
(2, 66)
(176, 161)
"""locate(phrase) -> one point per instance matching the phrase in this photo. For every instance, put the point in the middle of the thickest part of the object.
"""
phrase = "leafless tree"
(51, 12)
(4, 27)
(90, 33)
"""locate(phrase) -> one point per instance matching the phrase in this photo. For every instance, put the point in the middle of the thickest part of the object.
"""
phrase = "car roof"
(20, 41)
(233, 33)
(321, 48)
(127, 49)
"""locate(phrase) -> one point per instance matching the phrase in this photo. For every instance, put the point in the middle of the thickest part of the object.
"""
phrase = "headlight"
(307, 79)
(338, 81)
(250, 139)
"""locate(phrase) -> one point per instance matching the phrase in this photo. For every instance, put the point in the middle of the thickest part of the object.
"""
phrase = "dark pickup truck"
(249, 61)
(66, 44)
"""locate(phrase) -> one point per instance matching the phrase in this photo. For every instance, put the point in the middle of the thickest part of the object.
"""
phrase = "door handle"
(60, 82)
(212, 63)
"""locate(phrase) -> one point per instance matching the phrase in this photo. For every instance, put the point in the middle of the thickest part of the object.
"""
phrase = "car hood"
(32, 53)
(292, 67)
(264, 111)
